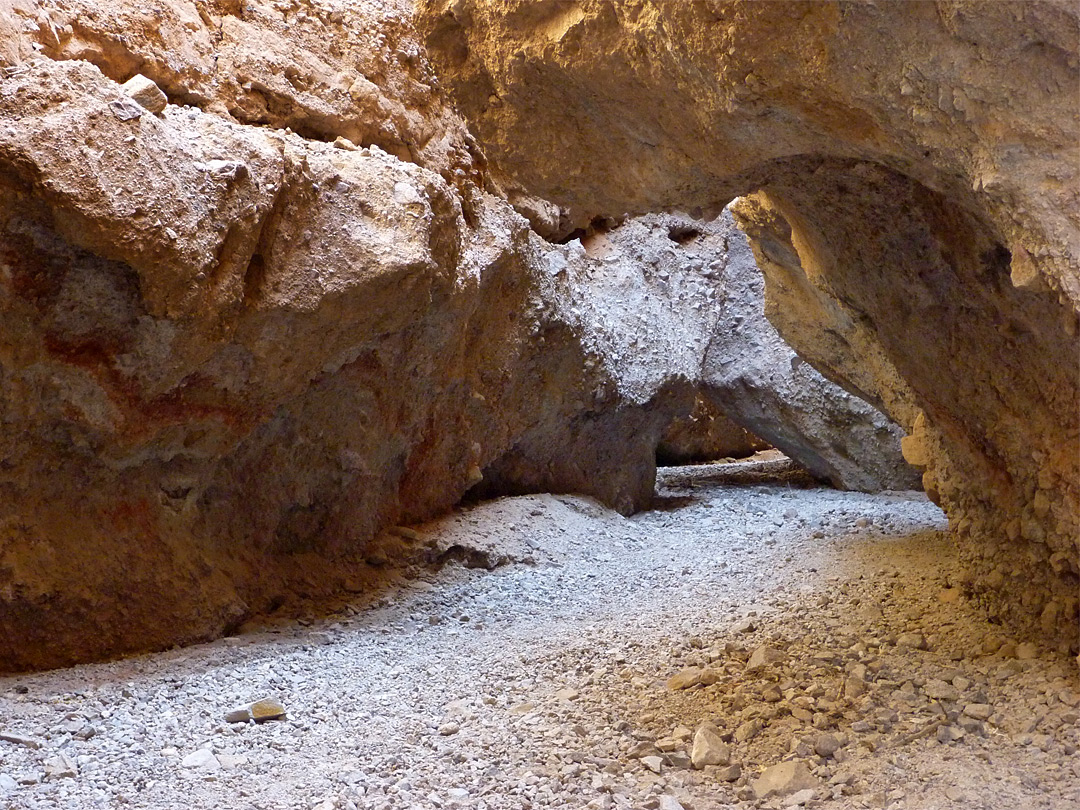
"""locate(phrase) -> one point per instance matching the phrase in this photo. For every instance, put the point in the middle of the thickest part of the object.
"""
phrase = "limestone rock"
(784, 779)
(709, 748)
(145, 92)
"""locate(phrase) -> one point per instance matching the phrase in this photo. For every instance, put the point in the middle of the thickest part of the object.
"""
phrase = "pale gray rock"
(203, 759)
(761, 384)
(783, 779)
(60, 766)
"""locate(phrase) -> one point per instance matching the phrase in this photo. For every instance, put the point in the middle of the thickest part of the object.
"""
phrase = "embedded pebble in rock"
(145, 92)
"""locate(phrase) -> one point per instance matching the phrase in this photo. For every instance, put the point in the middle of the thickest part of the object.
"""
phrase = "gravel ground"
(805, 646)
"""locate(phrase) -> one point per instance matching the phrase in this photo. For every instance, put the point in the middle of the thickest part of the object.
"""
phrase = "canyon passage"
(341, 341)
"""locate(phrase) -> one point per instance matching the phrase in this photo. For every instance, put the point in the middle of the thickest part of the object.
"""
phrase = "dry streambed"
(753, 641)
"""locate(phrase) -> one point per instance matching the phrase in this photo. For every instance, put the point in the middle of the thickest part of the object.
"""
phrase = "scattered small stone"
(730, 773)
(979, 711)
(764, 656)
(260, 712)
(954, 794)
(669, 803)
(568, 694)
(230, 762)
(7, 784)
(457, 794)
(915, 641)
(203, 759)
(940, 690)
(652, 763)
(60, 767)
(855, 687)
(1027, 651)
(745, 626)
(145, 92)
(784, 779)
(826, 745)
(449, 729)
(748, 730)
(643, 749)
(800, 798)
(709, 748)
(19, 739)
(691, 676)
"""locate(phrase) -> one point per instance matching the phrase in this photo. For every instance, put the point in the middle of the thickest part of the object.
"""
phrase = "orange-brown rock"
(706, 434)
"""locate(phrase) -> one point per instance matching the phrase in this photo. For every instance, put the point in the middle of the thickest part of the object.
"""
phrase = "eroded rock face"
(924, 159)
(770, 390)
(667, 297)
(706, 434)
(231, 354)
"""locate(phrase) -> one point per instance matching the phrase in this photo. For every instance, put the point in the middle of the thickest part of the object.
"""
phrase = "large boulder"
(926, 159)
(771, 391)
(231, 355)
(235, 349)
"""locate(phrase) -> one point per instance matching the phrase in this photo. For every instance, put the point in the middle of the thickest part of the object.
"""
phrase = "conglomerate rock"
(706, 434)
(688, 291)
(231, 354)
(244, 332)
(926, 159)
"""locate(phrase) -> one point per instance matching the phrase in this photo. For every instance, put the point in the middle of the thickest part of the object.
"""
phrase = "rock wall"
(925, 157)
(771, 391)
(705, 434)
(667, 298)
(263, 296)
(236, 342)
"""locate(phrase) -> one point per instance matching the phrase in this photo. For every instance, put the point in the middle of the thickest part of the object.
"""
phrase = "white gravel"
(543, 682)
